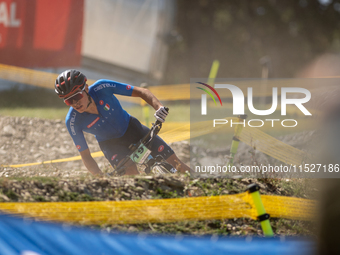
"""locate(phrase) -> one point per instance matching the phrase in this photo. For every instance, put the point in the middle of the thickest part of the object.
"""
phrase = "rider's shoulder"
(103, 83)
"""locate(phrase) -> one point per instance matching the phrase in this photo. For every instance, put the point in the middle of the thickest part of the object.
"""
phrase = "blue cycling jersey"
(112, 120)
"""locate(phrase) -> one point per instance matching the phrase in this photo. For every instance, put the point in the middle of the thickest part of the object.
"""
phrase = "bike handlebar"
(153, 129)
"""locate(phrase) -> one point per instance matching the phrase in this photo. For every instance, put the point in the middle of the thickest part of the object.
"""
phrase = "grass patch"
(43, 103)
(43, 113)
(37, 102)
(31, 98)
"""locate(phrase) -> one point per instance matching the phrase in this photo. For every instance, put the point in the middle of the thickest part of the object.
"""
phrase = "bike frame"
(141, 153)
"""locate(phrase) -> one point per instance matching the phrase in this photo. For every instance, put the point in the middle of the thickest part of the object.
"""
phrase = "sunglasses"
(77, 96)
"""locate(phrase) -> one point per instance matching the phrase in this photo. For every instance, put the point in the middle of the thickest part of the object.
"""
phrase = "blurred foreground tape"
(164, 210)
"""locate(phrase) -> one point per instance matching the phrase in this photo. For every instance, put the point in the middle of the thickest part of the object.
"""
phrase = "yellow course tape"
(289, 207)
(94, 155)
(164, 210)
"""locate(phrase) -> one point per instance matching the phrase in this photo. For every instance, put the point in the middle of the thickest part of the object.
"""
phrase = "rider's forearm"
(92, 166)
(147, 96)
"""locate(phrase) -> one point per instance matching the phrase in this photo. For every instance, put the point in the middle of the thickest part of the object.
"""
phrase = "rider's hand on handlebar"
(161, 114)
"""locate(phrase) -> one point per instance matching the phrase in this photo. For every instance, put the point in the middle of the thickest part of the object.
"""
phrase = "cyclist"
(96, 110)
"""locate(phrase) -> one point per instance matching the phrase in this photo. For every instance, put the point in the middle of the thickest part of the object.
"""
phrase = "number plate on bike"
(140, 154)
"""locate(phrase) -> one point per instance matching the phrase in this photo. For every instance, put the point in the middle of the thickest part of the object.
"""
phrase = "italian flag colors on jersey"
(106, 107)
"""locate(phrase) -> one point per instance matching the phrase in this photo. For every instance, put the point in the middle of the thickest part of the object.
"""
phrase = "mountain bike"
(141, 156)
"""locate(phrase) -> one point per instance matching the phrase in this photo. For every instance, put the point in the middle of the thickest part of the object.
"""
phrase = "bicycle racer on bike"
(96, 110)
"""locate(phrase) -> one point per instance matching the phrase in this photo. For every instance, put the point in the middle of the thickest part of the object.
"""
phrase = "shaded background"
(298, 38)
(169, 41)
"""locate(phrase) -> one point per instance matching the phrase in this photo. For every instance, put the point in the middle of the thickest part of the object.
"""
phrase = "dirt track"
(30, 140)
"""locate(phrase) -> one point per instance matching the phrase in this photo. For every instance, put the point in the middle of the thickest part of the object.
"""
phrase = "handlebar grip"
(159, 122)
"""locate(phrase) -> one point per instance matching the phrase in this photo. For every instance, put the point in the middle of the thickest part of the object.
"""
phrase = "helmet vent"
(68, 82)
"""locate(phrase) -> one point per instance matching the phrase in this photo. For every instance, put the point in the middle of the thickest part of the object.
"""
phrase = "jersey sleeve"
(77, 136)
(112, 87)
